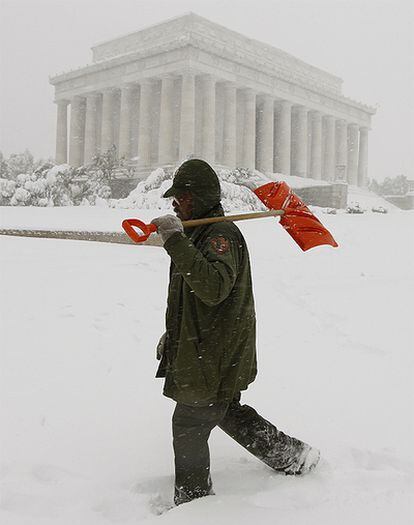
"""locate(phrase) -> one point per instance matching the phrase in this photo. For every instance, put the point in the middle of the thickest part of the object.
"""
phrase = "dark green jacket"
(210, 349)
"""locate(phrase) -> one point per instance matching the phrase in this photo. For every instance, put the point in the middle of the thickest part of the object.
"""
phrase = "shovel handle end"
(130, 225)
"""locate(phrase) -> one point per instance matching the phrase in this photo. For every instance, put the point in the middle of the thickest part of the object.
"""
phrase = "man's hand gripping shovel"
(296, 218)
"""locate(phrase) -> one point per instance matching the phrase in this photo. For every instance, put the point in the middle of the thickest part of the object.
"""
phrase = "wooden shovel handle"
(232, 218)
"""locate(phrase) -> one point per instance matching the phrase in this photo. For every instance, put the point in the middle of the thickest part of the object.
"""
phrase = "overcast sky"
(368, 43)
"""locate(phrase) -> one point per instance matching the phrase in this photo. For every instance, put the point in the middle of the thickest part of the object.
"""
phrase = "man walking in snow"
(208, 352)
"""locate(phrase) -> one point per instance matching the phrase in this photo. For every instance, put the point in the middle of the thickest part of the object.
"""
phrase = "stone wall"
(333, 196)
(404, 202)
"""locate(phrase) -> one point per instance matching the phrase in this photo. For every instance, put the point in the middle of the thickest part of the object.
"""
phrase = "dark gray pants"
(192, 427)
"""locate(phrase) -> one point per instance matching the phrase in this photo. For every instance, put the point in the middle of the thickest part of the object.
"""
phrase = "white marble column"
(229, 125)
(363, 157)
(249, 136)
(209, 119)
(166, 140)
(300, 142)
(265, 128)
(144, 131)
(116, 119)
(134, 124)
(187, 119)
(316, 145)
(353, 131)
(91, 126)
(62, 132)
(125, 120)
(329, 163)
(309, 145)
(283, 124)
(341, 150)
(77, 131)
(107, 127)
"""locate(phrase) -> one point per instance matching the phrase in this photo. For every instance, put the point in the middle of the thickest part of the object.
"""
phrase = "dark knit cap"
(197, 177)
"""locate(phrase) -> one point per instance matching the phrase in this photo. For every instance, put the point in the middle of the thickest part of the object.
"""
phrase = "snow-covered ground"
(86, 433)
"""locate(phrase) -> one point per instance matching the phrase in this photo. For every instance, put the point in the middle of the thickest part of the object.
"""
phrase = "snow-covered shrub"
(22, 178)
(28, 186)
(47, 184)
(7, 189)
(251, 179)
(19, 163)
(4, 167)
(148, 193)
(75, 190)
(104, 192)
(21, 197)
(39, 187)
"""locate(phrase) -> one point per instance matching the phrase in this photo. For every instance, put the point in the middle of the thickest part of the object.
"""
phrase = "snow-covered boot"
(305, 462)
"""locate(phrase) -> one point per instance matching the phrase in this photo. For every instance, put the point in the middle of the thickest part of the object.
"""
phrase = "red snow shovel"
(296, 218)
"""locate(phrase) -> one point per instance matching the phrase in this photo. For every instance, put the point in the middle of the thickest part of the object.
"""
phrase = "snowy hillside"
(86, 433)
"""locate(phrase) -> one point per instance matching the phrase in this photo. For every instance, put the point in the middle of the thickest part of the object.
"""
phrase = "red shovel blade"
(300, 223)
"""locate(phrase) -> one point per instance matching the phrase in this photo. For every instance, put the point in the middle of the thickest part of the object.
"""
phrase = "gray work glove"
(167, 225)
(161, 346)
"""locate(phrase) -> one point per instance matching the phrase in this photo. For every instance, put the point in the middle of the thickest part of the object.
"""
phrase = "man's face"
(183, 206)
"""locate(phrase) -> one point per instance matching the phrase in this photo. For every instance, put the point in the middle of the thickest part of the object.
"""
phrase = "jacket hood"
(197, 177)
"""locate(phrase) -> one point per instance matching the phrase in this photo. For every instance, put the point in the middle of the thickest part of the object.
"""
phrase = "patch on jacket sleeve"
(220, 245)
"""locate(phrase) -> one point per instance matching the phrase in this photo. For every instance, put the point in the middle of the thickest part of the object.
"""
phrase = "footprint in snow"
(52, 475)
(66, 311)
(101, 323)
(159, 490)
(160, 505)
(380, 461)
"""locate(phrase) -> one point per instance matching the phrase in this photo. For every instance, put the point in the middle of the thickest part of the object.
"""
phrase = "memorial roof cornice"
(192, 24)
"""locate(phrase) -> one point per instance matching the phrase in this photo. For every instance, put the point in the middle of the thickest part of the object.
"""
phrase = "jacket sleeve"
(210, 272)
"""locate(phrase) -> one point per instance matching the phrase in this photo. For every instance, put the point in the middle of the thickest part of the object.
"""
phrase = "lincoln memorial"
(189, 87)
